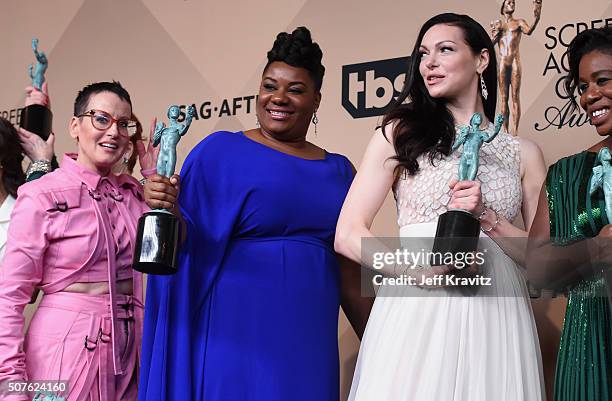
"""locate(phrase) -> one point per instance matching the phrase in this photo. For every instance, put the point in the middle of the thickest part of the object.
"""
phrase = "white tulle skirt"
(437, 345)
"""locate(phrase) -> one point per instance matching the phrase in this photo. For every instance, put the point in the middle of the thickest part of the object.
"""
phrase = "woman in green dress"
(571, 230)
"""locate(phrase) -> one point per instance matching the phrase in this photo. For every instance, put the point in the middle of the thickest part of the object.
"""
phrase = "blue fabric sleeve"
(175, 309)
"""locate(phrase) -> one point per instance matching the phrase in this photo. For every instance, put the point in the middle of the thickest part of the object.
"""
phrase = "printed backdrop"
(211, 54)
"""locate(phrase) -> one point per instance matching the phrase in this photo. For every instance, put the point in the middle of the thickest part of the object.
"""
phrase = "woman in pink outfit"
(71, 235)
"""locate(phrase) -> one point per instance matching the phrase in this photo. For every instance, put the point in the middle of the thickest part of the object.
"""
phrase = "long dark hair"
(10, 157)
(425, 125)
(598, 39)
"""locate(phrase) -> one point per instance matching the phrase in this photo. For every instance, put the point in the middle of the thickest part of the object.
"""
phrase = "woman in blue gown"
(252, 314)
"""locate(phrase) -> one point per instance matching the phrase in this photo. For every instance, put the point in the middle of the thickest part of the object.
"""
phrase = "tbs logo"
(368, 88)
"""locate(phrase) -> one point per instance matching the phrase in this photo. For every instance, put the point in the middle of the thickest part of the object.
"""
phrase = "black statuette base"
(457, 232)
(37, 119)
(157, 243)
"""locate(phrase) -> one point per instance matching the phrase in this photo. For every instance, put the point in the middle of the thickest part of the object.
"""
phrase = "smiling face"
(448, 66)
(99, 150)
(595, 88)
(286, 102)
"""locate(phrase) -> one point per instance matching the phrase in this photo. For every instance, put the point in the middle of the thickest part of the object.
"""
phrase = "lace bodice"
(423, 197)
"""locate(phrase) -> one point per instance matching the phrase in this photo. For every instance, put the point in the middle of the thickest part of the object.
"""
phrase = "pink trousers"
(69, 340)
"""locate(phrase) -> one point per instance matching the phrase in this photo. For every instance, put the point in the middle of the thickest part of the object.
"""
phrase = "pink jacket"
(71, 225)
(6, 208)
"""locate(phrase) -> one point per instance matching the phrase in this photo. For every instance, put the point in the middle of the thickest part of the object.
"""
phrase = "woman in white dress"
(436, 345)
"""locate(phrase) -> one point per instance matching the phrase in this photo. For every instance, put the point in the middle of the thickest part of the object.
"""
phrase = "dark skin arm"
(557, 267)
(356, 306)
(162, 193)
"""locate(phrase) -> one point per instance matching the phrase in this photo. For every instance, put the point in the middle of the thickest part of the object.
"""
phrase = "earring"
(483, 88)
(257, 121)
(125, 160)
(315, 121)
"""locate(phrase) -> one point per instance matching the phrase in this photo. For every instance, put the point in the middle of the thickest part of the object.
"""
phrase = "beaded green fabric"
(584, 363)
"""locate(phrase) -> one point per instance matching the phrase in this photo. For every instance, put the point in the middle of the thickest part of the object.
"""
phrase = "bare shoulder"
(531, 155)
(383, 139)
(528, 147)
(388, 131)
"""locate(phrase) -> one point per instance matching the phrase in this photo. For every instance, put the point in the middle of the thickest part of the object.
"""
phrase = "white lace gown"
(447, 347)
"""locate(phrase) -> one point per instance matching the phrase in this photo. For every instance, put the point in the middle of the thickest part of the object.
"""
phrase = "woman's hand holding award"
(458, 230)
(37, 118)
(157, 237)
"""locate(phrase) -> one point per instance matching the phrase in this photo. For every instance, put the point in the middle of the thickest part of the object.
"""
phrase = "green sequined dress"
(584, 363)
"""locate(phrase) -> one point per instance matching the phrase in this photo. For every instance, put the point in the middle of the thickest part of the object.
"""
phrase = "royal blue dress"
(252, 314)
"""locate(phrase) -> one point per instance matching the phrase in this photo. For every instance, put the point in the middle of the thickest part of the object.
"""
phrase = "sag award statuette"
(37, 118)
(458, 230)
(602, 179)
(157, 238)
